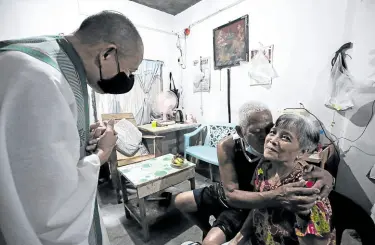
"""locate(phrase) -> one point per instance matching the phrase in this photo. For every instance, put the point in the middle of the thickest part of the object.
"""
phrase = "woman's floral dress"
(278, 226)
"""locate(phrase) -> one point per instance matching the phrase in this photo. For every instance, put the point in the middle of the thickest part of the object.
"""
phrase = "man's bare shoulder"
(225, 150)
(226, 143)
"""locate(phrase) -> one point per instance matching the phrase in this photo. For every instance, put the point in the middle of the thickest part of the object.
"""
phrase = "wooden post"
(228, 95)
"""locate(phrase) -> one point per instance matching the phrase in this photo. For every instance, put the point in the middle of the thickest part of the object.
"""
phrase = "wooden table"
(167, 129)
(150, 177)
(173, 140)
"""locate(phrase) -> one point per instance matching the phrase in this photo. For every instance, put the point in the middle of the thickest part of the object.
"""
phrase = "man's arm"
(289, 196)
(324, 181)
(235, 197)
(55, 190)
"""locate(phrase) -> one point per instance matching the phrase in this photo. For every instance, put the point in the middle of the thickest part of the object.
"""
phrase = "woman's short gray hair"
(248, 109)
(307, 131)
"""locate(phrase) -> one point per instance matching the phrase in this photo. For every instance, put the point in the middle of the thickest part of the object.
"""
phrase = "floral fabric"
(278, 226)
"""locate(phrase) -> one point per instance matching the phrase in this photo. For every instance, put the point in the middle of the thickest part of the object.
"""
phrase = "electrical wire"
(364, 130)
(217, 12)
(366, 153)
(185, 50)
(336, 138)
(182, 95)
(320, 123)
(178, 45)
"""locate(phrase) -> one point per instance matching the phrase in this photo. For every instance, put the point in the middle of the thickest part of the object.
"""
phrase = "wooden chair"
(347, 215)
(118, 160)
(326, 159)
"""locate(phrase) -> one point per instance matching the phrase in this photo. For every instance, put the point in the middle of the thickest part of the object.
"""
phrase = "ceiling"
(172, 7)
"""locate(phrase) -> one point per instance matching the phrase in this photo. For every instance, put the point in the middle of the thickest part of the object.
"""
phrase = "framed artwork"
(231, 43)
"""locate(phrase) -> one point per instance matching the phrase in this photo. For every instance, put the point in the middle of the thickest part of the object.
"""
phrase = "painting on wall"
(231, 43)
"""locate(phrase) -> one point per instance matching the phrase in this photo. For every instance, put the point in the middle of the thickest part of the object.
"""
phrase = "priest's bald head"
(111, 49)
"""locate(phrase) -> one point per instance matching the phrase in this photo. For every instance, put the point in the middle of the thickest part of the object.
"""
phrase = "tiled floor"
(173, 229)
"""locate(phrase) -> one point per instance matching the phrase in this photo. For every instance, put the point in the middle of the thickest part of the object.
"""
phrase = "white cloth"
(129, 137)
(47, 192)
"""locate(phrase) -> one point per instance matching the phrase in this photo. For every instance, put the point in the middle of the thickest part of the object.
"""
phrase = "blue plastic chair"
(208, 151)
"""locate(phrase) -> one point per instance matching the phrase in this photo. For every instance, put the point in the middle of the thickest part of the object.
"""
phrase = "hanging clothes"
(139, 101)
(341, 82)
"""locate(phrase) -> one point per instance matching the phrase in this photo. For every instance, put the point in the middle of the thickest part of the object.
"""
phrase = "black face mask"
(119, 84)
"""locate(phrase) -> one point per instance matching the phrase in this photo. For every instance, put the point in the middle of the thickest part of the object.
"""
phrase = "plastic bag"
(342, 86)
(129, 138)
(261, 71)
(198, 80)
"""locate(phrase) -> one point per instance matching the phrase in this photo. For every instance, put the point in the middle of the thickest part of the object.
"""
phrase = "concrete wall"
(25, 18)
(305, 34)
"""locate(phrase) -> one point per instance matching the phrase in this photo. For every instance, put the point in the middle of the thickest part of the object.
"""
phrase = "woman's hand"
(297, 198)
(323, 179)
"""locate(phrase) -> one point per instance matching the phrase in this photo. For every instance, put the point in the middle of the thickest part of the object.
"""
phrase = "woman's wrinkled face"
(281, 145)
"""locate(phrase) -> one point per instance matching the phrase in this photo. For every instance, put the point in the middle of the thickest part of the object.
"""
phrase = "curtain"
(148, 84)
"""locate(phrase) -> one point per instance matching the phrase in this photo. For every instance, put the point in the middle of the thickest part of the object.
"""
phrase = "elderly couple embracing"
(268, 194)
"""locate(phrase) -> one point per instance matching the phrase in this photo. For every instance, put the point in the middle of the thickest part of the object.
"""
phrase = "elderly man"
(230, 201)
(48, 181)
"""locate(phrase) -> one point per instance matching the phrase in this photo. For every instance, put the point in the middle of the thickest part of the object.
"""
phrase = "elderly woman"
(291, 137)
